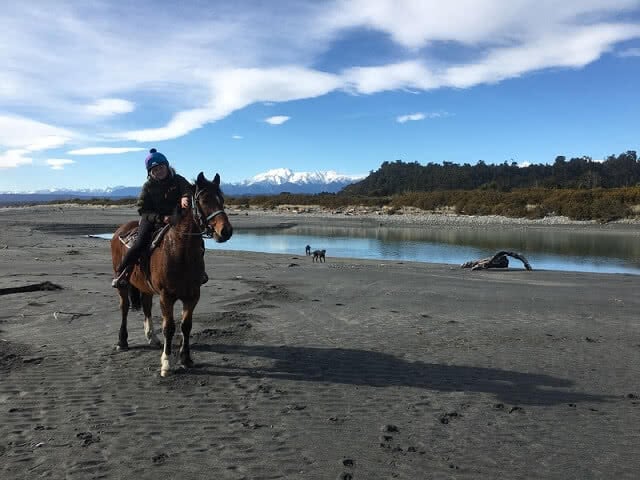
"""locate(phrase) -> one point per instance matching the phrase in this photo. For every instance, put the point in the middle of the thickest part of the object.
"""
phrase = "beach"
(350, 369)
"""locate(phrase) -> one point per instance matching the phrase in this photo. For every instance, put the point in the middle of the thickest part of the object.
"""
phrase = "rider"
(157, 201)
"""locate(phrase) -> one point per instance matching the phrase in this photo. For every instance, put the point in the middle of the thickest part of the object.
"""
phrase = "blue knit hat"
(154, 159)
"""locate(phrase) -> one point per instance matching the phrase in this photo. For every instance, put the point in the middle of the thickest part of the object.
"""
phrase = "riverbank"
(67, 216)
(365, 368)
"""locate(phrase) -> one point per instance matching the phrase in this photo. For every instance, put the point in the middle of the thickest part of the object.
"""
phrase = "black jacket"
(160, 197)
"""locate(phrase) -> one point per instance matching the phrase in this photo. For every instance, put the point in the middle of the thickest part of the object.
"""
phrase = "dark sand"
(346, 369)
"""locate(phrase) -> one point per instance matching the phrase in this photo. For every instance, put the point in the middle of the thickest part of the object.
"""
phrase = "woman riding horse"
(175, 268)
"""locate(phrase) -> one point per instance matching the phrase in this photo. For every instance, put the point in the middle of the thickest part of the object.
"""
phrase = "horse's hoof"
(122, 347)
(165, 365)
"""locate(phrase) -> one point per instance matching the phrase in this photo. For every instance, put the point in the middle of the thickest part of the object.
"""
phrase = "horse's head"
(208, 206)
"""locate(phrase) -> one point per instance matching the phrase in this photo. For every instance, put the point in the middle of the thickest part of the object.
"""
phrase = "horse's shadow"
(376, 369)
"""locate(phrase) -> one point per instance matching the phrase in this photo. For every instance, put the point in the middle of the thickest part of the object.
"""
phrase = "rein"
(202, 221)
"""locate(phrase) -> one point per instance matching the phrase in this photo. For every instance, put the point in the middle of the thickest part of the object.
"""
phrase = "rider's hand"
(184, 202)
(166, 219)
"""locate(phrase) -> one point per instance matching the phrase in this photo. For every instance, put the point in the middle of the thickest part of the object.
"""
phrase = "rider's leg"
(145, 231)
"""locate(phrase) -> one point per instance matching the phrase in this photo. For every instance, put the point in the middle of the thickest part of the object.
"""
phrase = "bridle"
(202, 220)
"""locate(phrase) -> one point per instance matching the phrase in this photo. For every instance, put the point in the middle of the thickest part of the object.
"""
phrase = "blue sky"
(239, 88)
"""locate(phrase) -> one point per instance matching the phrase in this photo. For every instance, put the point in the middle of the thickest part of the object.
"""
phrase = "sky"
(239, 88)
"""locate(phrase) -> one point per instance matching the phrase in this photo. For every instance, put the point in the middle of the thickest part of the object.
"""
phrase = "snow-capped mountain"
(285, 180)
(279, 176)
(268, 183)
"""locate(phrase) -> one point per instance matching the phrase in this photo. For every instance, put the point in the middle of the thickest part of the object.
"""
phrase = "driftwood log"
(30, 288)
(499, 260)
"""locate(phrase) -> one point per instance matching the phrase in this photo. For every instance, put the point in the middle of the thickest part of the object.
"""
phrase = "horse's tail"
(134, 298)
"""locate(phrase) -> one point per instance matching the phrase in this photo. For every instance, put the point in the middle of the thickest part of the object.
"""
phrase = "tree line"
(400, 177)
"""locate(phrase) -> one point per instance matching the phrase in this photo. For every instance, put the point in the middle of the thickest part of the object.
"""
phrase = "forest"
(578, 173)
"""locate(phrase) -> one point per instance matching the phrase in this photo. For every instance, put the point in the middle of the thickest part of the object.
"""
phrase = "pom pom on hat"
(154, 159)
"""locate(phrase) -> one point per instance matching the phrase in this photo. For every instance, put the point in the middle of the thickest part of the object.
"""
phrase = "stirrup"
(121, 280)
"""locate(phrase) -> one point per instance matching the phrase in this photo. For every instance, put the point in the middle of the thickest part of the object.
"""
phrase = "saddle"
(128, 238)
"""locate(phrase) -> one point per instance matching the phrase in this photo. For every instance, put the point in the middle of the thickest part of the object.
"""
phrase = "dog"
(318, 255)
(307, 249)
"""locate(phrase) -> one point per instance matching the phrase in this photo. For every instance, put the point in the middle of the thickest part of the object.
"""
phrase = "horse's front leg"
(168, 329)
(187, 314)
(147, 302)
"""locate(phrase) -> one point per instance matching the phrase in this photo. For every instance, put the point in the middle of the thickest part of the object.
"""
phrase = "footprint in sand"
(159, 459)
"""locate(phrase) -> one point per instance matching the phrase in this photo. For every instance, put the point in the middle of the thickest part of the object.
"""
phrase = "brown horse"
(176, 268)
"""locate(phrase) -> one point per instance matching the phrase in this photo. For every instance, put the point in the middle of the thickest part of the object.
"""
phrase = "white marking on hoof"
(150, 335)
(165, 365)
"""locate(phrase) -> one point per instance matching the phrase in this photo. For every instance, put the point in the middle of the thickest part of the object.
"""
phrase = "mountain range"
(271, 182)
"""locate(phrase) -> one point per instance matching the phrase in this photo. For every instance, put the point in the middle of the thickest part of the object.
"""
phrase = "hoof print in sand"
(448, 416)
(159, 459)
(87, 438)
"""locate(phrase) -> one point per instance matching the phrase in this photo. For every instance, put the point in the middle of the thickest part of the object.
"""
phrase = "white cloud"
(570, 48)
(106, 107)
(412, 117)
(20, 132)
(234, 89)
(14, 158)
(74, 66)
(421, 116)
(368, 80)
(104, 150)
(58, 163)
(417, 23)
(277, 119)
(22, 136)
(237, 137)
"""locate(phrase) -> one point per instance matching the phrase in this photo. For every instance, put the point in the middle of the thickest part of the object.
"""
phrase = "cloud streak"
(106, 107)
(277, 119)
(21, 137)
(410, 117)
(58, 163)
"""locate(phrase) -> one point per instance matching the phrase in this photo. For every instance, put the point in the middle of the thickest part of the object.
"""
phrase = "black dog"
(318, 255)
(307, 249)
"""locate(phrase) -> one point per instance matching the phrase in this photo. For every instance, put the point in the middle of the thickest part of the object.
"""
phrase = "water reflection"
(558, 250)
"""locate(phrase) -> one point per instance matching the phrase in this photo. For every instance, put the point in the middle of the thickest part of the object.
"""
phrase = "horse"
(319, 255)
(175, 268)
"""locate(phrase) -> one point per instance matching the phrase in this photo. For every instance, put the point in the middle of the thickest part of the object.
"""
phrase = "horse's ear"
(201, 178)
(216, 180)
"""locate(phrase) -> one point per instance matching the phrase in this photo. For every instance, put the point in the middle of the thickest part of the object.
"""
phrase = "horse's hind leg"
(187, 315)
(152, 338)
(123, 335)
(134, 297)
(168, 329)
